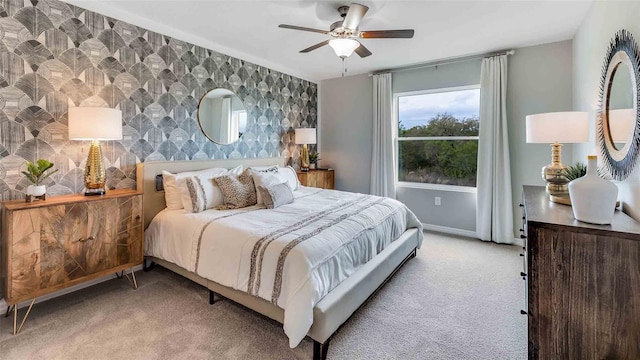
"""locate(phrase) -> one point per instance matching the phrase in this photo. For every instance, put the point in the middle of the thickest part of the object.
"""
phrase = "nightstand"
(324, 179)
(67, 240)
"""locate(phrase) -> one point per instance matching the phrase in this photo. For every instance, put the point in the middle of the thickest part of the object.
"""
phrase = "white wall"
(589, 49)
(346, 130)
(539, 80)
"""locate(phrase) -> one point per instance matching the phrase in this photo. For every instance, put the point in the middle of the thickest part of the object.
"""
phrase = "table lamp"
(556, 128)
(305, 136)
(95, 124)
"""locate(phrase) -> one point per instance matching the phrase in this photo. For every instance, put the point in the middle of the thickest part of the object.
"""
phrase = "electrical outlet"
(438, 201)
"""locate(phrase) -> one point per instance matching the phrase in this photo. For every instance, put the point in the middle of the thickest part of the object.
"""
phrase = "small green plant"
(575, 171)
(314, 157)
(37, 172)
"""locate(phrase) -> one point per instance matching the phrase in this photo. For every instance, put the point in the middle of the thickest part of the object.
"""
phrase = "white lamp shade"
(95, 123)
(306, 136)
(343, 47)
(621, 124)
(563, 127)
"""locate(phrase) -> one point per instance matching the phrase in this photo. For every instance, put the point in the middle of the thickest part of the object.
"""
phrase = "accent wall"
(54, 56)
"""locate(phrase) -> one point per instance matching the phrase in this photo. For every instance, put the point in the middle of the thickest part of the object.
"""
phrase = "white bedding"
(291, 256)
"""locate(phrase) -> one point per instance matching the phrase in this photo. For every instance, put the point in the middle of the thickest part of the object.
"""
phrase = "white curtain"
(494, 213)
(382, 155)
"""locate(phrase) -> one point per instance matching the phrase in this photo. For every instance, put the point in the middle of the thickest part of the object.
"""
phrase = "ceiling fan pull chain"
(344, 69)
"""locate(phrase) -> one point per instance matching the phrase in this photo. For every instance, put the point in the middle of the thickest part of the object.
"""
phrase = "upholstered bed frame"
(332, 310)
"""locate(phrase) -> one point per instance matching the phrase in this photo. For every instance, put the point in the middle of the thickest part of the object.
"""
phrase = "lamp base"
(304, 158)
(553, 173)
(95, 175)
(94, 192)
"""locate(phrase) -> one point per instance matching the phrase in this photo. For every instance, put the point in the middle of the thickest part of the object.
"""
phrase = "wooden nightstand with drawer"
(66, 240)
(324, 178)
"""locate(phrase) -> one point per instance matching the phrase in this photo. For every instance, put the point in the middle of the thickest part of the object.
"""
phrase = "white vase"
(38, 190)
(593, 198)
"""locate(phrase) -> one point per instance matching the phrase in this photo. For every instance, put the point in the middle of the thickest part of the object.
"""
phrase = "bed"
(308, 265)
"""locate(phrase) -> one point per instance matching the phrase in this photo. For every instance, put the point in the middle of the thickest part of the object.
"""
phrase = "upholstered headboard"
(154, 199)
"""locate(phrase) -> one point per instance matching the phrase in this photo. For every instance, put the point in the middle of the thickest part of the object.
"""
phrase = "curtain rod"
(444, 62)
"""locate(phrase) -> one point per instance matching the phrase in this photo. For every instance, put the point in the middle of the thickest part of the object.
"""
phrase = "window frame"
(396, 140)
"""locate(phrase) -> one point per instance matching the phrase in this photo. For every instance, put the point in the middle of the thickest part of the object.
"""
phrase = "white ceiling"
(443, 29)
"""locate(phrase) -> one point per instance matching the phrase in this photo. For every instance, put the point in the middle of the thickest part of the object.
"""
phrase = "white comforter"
(291, 256)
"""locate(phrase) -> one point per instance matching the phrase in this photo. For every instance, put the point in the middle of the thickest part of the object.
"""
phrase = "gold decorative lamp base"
(95, 175)
(304, 158)
(553, 173)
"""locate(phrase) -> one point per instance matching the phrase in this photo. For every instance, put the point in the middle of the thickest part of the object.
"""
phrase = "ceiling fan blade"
(318, 45)
(354, 16)
(387, 34)
(293, 27)
(362, 51)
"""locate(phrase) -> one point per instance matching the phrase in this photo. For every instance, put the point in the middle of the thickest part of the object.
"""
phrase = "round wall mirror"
(222, 116)
(618, 126)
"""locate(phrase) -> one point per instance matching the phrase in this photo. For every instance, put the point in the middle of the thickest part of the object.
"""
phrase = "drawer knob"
(523, 236)
(522, 274)
(86, 239)
(521, 254)
(522, 312)
(521, 205)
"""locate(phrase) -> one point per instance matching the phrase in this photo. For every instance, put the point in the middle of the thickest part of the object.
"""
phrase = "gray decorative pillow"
(276, 195)
(238, 191)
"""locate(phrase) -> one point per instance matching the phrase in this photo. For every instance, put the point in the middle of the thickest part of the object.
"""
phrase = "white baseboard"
(3, 303)
(517, 241)
(449, 230)
(460, 232)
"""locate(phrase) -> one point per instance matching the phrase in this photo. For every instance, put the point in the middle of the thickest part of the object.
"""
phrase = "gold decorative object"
(95, 176)
(305, 136)
(553, 173)
(556, 128)
(92, 123)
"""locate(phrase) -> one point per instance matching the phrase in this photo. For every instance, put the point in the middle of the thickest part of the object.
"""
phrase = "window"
(438, 136)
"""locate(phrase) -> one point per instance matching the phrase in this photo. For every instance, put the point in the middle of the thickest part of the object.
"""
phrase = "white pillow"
(198, 199)
(265, 179)
(210, 195)
(173, 182)
(289, 174)
(270, 168)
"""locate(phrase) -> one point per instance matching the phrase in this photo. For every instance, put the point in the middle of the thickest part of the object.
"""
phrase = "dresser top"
(66, 199)
(541, 210)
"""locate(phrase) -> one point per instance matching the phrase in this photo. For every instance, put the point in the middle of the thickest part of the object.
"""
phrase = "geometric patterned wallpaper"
(54, 56)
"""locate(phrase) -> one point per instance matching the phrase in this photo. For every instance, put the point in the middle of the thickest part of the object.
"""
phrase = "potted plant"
(37, 173)
(575, 171)
(314, 157)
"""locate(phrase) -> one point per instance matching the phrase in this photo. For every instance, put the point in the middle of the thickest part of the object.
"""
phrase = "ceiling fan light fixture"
(344, 47)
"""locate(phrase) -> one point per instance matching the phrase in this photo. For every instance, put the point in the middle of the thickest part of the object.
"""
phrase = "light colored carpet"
(458, 299)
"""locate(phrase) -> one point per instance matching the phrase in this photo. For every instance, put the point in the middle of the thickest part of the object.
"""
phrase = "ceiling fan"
(345, 32)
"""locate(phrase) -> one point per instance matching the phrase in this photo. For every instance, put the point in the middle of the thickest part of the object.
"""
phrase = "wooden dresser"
(583, 283)
(324, 179)
(66, 240)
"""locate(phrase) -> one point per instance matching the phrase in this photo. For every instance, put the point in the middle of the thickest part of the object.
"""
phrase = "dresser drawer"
(52, 247)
